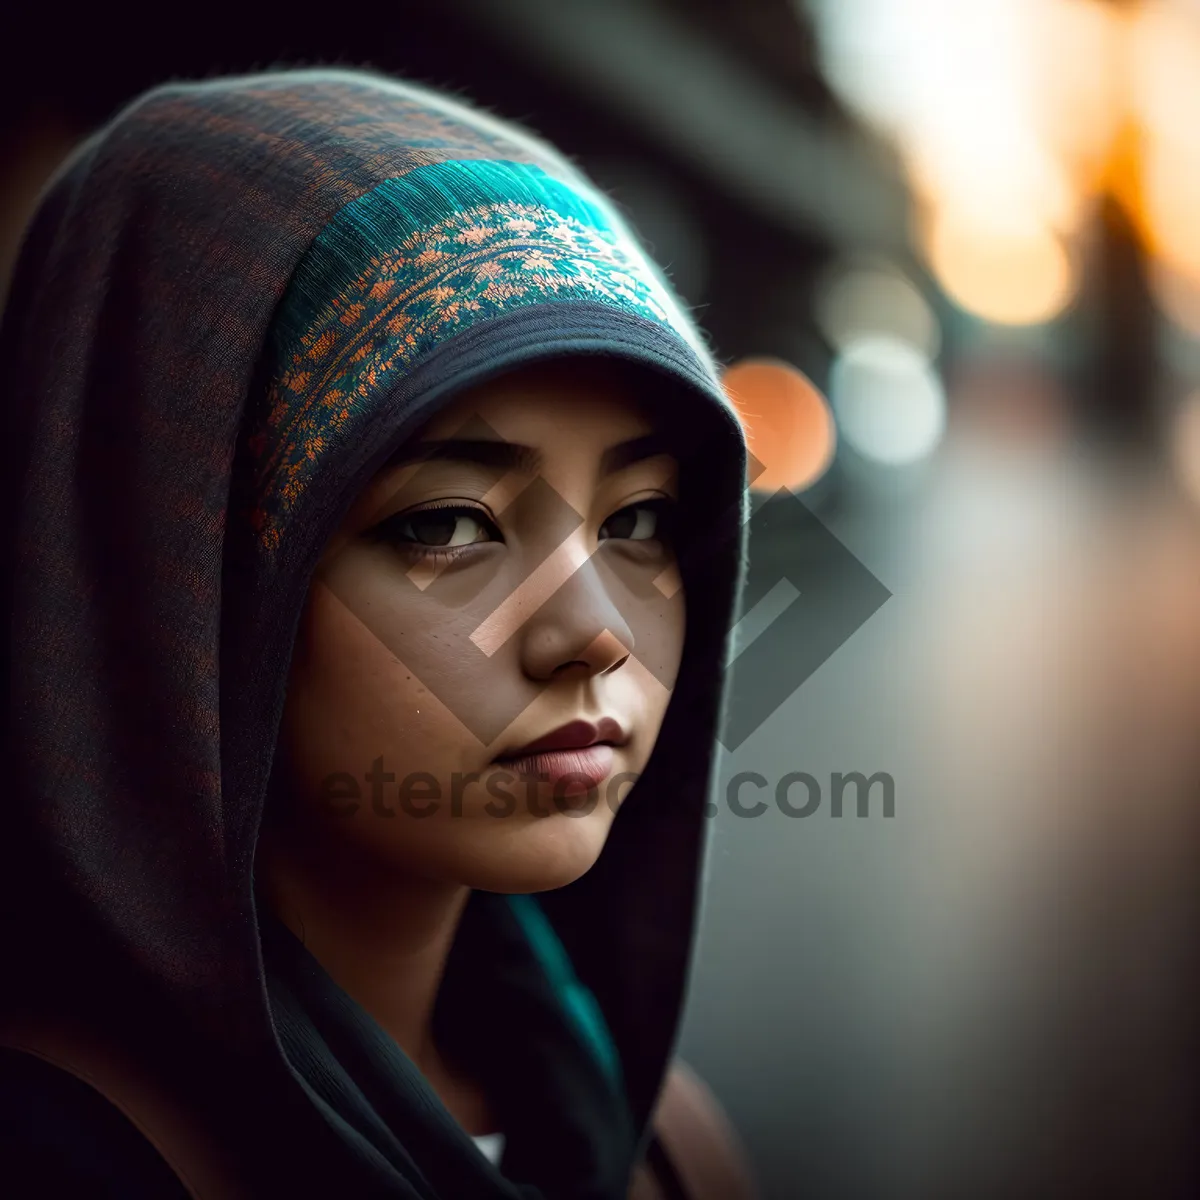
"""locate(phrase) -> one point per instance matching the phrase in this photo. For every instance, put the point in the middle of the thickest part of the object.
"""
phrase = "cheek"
(649, 598)
(351, 701)
(664, 653)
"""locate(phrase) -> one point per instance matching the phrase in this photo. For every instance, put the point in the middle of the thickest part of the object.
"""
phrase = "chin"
(548, 853)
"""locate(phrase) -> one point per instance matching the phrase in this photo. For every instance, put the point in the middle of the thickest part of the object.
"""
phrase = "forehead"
(581, 397)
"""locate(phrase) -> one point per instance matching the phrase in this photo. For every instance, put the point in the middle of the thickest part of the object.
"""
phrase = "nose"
(578, 631)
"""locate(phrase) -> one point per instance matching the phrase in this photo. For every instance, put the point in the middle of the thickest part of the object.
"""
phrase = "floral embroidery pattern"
(475, 264)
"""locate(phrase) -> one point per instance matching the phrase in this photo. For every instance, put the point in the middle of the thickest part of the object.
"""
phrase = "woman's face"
(510, 573)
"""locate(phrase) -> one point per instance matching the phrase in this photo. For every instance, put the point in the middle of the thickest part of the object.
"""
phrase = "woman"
(373, 530)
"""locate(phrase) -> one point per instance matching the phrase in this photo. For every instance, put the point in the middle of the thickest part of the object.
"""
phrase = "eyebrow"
(493, 452)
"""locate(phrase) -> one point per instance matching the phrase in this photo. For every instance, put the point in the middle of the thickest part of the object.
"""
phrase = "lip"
(574, 735)
(571, 772)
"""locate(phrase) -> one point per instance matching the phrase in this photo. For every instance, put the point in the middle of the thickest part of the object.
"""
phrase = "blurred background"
(973, 228)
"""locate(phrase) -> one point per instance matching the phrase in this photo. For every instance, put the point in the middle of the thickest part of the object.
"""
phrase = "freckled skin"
(385, 667)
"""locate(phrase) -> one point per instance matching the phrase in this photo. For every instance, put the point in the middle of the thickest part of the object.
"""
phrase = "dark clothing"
(60, 1137)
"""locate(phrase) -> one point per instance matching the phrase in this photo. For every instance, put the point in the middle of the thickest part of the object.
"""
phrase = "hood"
(233, 303)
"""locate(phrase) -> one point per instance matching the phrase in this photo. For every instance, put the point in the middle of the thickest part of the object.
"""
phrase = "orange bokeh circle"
(788, 425)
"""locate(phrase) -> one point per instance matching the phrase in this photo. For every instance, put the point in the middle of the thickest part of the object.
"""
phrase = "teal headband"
(413, 262)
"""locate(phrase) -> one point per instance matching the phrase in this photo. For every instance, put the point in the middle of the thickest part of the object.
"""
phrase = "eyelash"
(388, 530)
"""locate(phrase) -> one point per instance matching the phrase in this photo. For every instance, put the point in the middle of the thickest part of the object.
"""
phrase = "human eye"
(641, 521)
(438, 531)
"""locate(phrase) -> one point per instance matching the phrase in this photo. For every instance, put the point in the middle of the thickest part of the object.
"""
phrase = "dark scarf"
(199, 280)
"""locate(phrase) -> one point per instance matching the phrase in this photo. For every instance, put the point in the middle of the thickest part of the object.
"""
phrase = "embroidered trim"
(476, 262)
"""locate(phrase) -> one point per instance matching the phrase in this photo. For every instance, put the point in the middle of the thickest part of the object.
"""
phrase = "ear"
(702, 1149)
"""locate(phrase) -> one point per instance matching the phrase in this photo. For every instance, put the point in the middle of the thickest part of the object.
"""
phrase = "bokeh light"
(889, 401)
(1076, 53)
(1170, 199)
(789, 427)
(853, 300)
(1163, 55)
(999, 119)
(1012, 273)
(1164, 195)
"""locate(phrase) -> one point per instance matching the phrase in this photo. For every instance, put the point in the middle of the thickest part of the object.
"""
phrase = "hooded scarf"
(234, 302)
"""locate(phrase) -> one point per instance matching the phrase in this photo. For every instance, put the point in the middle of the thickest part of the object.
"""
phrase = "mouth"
(575, 735)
